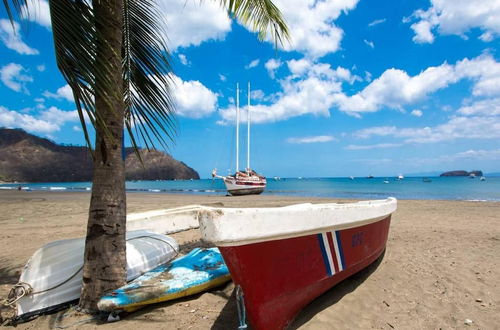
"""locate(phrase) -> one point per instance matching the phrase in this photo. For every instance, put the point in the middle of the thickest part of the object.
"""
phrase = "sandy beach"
(441, 266)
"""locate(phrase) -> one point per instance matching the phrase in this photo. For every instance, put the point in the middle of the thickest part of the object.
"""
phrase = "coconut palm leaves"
(145, 66)
(261, 16)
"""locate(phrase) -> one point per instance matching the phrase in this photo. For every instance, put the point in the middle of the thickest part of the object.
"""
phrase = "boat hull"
(53, 275)
(279, 277)
(244, 187)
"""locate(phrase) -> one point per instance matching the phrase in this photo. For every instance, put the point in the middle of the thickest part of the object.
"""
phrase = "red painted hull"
(280, 277)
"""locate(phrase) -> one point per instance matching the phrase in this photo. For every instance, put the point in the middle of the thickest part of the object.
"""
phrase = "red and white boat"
(246, 182)
(283, 258)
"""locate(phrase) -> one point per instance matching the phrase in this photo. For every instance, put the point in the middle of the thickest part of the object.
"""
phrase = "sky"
(363, 87)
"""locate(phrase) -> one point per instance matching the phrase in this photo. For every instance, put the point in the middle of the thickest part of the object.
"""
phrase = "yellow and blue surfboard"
(195, 272)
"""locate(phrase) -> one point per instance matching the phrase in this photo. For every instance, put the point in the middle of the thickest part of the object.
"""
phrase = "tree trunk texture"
(105, 247)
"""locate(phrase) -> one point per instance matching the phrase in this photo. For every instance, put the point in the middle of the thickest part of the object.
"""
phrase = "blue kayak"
(195, 272)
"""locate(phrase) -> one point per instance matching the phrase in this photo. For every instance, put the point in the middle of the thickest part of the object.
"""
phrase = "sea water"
(447, 188)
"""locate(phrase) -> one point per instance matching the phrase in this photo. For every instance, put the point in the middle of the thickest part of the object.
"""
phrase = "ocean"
(443, 188)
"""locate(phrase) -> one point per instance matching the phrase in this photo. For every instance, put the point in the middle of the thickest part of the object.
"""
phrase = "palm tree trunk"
(105, 255)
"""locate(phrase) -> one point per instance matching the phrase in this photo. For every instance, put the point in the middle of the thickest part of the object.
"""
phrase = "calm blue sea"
(449, 188)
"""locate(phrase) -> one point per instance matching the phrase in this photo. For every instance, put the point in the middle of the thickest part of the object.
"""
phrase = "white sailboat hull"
(250, 186)
(53, 275)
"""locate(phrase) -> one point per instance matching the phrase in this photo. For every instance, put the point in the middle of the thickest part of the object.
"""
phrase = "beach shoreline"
(440, 267)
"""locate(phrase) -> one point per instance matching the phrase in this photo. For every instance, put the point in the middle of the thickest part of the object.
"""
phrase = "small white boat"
(400, 177)
(482, 178)
(386, 181)
(52, 278)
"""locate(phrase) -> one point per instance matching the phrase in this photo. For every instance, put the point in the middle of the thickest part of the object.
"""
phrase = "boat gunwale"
(236, 226)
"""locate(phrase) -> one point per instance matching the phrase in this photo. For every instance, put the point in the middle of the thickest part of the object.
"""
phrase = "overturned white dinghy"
(52, 278)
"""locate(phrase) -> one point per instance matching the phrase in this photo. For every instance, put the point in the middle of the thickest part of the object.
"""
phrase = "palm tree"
(112, 54)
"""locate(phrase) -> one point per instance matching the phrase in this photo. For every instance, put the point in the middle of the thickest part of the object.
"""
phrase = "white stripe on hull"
(328, 252)
(337, 253)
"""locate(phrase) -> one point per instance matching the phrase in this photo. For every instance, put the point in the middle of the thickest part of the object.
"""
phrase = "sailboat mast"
(248, 130)
(237, 126)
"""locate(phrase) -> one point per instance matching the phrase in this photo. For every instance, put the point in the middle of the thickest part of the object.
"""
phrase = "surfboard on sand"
(195, 272)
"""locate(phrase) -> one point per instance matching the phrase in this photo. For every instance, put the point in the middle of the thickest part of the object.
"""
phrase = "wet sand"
(441, 266)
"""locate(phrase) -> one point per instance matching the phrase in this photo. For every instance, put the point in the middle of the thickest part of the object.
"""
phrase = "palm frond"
(149, 106)
(146, 69)
(262, 16)
(15, 7)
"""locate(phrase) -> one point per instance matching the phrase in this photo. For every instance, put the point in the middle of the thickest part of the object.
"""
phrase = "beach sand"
(441, 266)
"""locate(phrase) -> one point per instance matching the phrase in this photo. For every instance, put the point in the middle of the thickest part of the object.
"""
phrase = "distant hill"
(462, 173)
(28, 158)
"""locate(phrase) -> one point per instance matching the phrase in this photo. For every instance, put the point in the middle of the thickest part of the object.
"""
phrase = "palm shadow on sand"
(228, 318)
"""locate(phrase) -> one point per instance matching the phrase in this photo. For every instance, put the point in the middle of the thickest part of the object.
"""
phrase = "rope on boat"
(22, 289)
(240, 303)
(18, 291)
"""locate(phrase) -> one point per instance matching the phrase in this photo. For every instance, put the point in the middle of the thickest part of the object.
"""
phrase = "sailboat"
(247, 182)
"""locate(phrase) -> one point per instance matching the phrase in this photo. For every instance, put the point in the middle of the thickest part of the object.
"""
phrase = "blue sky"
(364, 87)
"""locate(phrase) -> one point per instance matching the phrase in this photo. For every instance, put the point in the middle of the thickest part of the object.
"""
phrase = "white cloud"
(395, 88)
(183, 59)
(311, 93)
(473, 127)
(372, 146)
(376, 22)
(487, 36)
(416, 113)
(64, 92)
(193, 99)
(252, 64)
(41, 67)
(311, 23)
(299, 67)
(423, 32)
(489, 107)
(257, 94)
(189, 23)
(46, 122)
(311, 139)
(13, 77)
(11, 38)
(457, 17)
(272, 65)
(476, 155)
(39, 12)
(59, 117)
(222, 77)
(369, 43)
(368, 76)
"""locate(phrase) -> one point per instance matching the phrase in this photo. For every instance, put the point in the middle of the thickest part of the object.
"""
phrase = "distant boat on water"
(351, 177)
(247, 182)
(482, 178)
(370, 176)
(386, 181)
(426, 180)
(400, 177)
